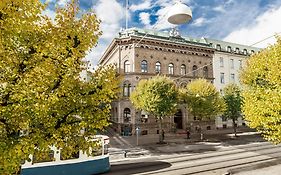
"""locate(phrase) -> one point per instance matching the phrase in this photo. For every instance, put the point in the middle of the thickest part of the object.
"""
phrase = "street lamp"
(179, 13)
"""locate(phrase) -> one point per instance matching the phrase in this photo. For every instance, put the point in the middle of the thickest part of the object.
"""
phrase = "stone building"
(228, 59)
(142, 54)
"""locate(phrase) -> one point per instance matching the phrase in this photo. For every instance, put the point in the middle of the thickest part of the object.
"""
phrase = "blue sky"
(238, 21)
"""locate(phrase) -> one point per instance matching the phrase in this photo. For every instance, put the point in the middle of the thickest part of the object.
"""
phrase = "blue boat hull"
(89, 167)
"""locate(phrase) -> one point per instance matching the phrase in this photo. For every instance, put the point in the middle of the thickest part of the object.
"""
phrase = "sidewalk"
(126, 146)
(144, 140)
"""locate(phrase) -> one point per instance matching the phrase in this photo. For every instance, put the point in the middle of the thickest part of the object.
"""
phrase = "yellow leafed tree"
(262, 92)
(42, 99)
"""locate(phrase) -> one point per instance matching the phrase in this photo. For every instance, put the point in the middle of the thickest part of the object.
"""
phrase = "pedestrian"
(163, 134)
(187, 134)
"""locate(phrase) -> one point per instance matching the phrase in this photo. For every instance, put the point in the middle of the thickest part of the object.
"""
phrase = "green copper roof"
(205, 42)
(163, 36)
(223, 46)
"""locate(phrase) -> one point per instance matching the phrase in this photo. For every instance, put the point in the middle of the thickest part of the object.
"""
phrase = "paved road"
(217, 162)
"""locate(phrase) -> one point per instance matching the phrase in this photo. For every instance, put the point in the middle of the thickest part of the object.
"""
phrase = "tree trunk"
(234, 127)
(200, 128)
(201, 133)
(161, 132)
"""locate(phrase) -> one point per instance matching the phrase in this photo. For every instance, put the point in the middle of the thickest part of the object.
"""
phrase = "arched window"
(126, 89)
(183, 84)
(194, 71)
(144, 66)
(171, 68)
(205, 72)
(126, 66)
(127, 115)
(183, 69)
(157, 67)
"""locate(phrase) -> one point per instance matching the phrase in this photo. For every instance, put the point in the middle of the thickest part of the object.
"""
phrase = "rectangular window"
(221, 61)
(222, 78)
(126, 66)
(232, 63)
(240, 64)
(144, 118)
(232, 78)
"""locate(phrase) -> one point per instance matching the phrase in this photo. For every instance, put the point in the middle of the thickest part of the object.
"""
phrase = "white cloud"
(199, 22)
(94, 55)
(162, 20)
(219, 8)
(146, 4)
(265, 25)
(110, 12)
(50, 13)
(145, 19)
(63, 2)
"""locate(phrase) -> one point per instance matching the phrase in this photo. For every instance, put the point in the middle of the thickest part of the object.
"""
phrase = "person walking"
(187, 134)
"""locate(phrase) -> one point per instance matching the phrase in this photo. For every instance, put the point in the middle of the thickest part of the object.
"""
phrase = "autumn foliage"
(42, 99)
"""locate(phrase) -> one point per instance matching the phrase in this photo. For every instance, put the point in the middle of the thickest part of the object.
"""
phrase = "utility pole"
(126, 14)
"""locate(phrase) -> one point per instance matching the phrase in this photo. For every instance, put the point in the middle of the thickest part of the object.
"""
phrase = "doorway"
(178, 119)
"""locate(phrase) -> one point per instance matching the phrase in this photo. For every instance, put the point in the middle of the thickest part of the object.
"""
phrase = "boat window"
(97, 150)
(106, 149)
(66, 154)
(43, 156)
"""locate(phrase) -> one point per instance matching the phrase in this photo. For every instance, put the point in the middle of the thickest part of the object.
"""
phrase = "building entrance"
(178, 119)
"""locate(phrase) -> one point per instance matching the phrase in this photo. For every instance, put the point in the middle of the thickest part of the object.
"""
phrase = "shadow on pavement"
(242, 139)
(139, 167)
(255, 166)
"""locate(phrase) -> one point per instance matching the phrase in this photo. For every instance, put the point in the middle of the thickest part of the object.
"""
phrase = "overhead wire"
(155, 28)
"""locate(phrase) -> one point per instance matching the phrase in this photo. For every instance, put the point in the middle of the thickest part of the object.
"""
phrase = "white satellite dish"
(179, 14)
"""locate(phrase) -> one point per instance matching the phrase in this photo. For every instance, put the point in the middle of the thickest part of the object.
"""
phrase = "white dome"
(179, 14)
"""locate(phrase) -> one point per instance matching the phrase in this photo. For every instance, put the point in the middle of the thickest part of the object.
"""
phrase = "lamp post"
(138, 129)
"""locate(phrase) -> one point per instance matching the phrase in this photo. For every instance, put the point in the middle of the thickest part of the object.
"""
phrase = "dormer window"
(245, 52)
(237, 50)
(218, 47)
(252, 51)
(228, 49)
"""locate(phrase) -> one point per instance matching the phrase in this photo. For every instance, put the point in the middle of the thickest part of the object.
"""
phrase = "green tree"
(42, 100)
(233, 100)
(158, 96)
(262, 96)
(203, 100)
